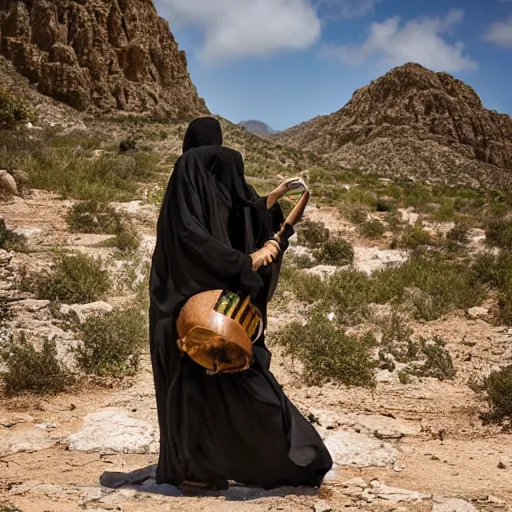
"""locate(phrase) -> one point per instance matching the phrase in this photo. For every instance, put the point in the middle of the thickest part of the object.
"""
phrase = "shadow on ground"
(143, 480)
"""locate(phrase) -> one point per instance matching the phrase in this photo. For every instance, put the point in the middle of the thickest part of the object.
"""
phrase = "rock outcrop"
(415, 123)
(101, 55)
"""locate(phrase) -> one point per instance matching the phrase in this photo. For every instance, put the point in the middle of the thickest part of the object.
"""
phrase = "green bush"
(13, 110)
(438, 361)
(111, 344)
(75, 279)
(30, 370)
(126, 237)
(496, 272)
(499, 233)
(385, 204)
(372, 229)
(93, 217)
(312, 234)
(459, 233)
(335, 252)
(498, 386)
(9, 508)
(414, 237)
(75, 171)
(303, 261)
(327, 353)
(431, 285)
(11, 241)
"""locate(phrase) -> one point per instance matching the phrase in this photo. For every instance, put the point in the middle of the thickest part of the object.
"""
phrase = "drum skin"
(211, 339)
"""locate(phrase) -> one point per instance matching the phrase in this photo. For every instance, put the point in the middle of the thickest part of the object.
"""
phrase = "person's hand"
(280, 191)
(264, 256)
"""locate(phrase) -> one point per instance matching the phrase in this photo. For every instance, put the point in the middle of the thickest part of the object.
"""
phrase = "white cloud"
(500, 33)
(420, 40)
(339, 9)
(234, 29)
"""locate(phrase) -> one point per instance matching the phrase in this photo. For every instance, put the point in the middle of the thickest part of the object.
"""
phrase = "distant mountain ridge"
(413, 122)
(257, 128)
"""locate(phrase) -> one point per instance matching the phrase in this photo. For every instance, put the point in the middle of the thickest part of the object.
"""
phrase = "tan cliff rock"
(99, 55)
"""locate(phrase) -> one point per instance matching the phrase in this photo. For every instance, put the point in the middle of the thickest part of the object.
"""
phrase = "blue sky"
(286, 61)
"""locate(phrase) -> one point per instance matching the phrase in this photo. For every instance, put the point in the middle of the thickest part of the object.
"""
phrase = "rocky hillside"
(257, 128)
(101, 55)
(413, 122)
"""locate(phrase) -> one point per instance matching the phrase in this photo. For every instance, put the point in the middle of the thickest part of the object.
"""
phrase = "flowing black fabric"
(241, 426)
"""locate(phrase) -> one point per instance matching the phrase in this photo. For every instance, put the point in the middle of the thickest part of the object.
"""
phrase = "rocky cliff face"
(99, 55)
(418, 123)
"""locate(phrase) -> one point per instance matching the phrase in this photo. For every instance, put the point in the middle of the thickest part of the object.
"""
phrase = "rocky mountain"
(257, 128)
(99, 55)
(413, 122)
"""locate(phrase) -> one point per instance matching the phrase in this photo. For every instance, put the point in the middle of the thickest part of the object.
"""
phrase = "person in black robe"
(211, 234)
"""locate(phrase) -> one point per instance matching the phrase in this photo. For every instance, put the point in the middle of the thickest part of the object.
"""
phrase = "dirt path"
(398, 447)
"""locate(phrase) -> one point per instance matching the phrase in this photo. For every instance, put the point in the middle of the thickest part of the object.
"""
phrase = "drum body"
(217, 328)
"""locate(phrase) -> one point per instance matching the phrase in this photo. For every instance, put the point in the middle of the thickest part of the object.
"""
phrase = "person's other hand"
(264, 256)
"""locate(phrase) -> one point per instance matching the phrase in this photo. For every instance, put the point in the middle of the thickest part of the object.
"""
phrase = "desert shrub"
(142, 289)
(127, 145)
(111, 344)
(372, 229)
(355, 213)
(9, 508)
(312, 234)
(307, 287)
(433, 286)
(74, 171)
(11, 241)
(13, 110)
(436, 286)
(499, 233)
(30, 370)
(459, 233)
(335, 252)
(75, 279)
(496, 272)
(414, 237)
(498, 386)
(348, 293)
(327, 353)
(127, 239)
(385, 204)
(395, 330)
(303, 261)
(93, 217)
(425, 358)
(438, 361)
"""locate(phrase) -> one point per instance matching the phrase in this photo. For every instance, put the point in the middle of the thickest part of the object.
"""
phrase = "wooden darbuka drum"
(217, 328)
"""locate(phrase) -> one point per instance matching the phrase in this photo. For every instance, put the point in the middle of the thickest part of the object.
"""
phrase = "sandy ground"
(424, 438)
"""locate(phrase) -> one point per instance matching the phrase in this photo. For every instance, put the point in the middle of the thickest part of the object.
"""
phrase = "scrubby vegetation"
(79, 166)
(111, 343)
(327, 353)
(11, 241)
(75, 279)
(335, 252)
(498, 386)
(429, 286)
(13, 110)
(372, 229)
(28, 369)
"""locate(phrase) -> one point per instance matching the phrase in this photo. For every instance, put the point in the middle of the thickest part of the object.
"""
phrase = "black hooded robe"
(239, 426)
